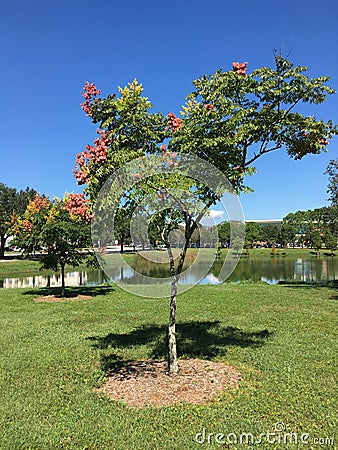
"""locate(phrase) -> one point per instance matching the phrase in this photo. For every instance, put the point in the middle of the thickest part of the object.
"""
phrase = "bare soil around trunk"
(146, 382)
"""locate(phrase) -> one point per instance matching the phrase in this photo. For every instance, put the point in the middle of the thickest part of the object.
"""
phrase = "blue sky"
(49, 49)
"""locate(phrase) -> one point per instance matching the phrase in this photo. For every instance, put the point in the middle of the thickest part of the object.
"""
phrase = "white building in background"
(266, 221)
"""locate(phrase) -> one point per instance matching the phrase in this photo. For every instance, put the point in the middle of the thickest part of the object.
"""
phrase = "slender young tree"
(231, 119)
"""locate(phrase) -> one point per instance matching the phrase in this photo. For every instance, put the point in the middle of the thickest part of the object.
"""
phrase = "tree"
(316, 240)
(287, 234)
(12, 202)
(61, 228)
(270, 233)
(330, 240)
(253, 232)
(224, 233)
(122, 228)
(332, 189)
(312, 227)
(208, 234)
(230, 120)
(27, 227)
(329, 225)
(297, 227)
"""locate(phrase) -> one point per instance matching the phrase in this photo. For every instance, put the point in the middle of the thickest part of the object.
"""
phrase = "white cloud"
(213, 214)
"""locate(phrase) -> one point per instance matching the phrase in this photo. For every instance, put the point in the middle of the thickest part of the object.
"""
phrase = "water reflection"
(84, 277)
(269, 270)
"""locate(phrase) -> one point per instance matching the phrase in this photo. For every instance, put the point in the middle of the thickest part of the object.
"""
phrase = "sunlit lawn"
(282, 338)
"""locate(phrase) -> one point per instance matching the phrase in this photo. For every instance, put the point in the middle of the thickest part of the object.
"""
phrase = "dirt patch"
(57, 298)
(144, 383)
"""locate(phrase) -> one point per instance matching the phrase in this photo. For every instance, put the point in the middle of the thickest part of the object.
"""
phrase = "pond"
(268, 269)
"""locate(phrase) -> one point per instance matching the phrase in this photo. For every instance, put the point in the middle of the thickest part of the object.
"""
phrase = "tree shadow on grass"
(72, 291)
(195, 339)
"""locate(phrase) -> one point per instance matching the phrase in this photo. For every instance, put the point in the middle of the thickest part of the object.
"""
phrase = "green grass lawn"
(283, 339)
(19, 267)
(28, 267)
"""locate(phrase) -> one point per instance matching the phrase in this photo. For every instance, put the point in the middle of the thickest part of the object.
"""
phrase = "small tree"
(60, 228)
(64, 237)
(237, 245)
(230, 120)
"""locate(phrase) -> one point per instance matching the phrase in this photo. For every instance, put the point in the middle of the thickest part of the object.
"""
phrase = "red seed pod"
(239, 68)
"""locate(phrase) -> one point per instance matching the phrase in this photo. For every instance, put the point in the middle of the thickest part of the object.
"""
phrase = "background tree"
(12, 203)
(330, 240)
(253, 232)
(237, 244)
(287, 234)
(177, 237)
(311, 227)
(332, 189)
(270, 234)
(64, 239)
(224, 233)
(27, 227)
(209, 235)
(316, 240)
(329, 226)
(297, 227)
(121, 227)
(230, 119)
(61, 228)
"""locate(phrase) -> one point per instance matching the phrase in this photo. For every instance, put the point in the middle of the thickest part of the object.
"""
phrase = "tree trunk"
(63, 280)
(172, 355)
(172, 361)
(2, 246)
(122, 238)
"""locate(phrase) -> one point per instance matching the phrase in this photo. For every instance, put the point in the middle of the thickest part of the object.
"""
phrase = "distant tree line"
(316, 228)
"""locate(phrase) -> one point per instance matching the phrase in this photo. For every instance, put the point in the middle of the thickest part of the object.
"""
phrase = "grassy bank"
(282, 338)
(27, 267)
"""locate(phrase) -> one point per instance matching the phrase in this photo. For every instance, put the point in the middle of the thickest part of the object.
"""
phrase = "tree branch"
(261, 153)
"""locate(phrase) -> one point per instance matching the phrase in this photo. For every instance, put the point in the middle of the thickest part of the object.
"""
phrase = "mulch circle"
(142, 383)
